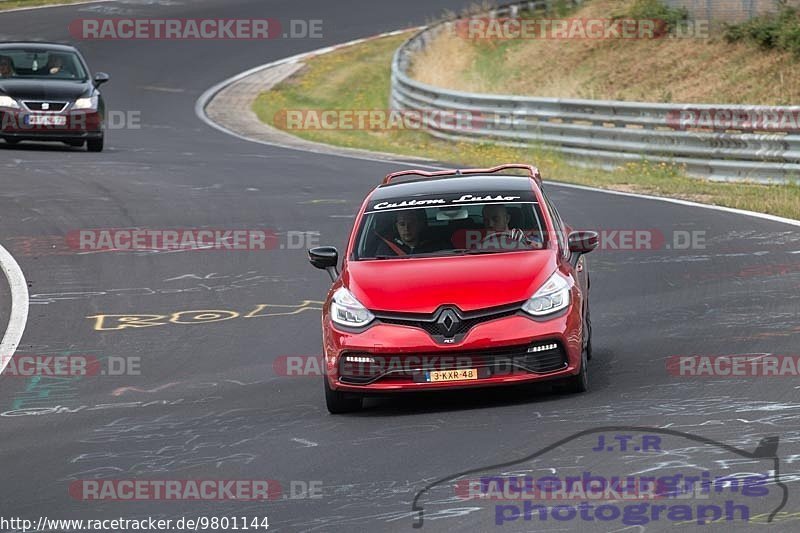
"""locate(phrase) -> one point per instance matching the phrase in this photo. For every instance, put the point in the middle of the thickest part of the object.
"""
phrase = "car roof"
(452, 184)
(40, 45)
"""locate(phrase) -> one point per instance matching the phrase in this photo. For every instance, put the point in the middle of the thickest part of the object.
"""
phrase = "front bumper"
(78, 125)
(504, 351)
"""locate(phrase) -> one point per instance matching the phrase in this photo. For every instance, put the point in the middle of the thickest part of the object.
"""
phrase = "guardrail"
(604, 132)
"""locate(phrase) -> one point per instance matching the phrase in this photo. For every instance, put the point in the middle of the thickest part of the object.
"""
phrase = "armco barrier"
(603, 132)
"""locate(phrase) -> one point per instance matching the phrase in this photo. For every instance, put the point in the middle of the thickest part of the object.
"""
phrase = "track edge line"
(18, 317)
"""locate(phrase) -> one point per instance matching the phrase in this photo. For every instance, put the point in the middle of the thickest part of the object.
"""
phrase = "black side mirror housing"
(583, 242)
(100, 78)
(325, 258)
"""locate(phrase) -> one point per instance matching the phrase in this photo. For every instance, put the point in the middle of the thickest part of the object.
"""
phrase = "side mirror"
(325, 258)
(583, 242)
(100, 78)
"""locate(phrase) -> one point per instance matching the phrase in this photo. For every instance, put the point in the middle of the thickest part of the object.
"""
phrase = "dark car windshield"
(41, 64)
(445, 227)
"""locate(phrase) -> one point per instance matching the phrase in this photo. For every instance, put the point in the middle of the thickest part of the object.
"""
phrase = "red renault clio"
(453, 279)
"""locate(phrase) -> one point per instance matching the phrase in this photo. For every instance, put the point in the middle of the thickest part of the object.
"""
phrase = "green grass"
(12, 4)
(358, 77)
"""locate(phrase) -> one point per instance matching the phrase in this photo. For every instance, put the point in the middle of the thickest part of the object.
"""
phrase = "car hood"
(44, 90)
(468, 282)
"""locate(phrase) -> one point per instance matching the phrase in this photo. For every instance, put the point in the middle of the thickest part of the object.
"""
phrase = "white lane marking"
(306, 443)
(206, 97)
(19, 307)
(765, 216)
(4, 11)
(162, 89)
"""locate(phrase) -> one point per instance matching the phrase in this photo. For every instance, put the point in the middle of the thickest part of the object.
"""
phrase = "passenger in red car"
(496, 219)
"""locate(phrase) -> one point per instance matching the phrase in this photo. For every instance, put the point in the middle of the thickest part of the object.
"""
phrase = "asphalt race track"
(210, 404)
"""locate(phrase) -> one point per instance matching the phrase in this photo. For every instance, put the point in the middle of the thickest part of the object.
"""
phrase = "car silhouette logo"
(45, 106)
(619, 457)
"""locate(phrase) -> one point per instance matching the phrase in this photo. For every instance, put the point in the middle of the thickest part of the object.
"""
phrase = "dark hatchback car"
(47, 94)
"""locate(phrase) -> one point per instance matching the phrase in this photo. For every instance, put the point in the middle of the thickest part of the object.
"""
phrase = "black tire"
(588, 347)
(580, 382)
(340, 403)
(95, 145)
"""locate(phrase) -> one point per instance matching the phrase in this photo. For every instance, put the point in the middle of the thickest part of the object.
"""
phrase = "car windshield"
(462, 224)
(41, 64)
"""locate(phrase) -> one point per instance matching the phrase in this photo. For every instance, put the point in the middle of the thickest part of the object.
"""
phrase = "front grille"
(435, 327)
(52, 107)
(493, 362)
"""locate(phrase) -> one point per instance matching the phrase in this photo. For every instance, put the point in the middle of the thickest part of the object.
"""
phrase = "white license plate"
(47, 120)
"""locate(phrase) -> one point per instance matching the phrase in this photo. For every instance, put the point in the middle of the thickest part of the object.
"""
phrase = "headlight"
(7, 101)
(551, 297)
(85, 103)
(348, 311)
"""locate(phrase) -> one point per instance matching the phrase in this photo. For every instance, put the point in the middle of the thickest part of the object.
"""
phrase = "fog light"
(542, 348)
(358, 359)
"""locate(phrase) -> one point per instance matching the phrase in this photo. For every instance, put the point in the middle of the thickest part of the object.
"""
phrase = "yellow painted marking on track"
(127, 321)
(305, 305)
(116, 322)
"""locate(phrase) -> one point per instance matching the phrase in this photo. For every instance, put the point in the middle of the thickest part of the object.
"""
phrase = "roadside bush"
(779, 31)
(655, 9)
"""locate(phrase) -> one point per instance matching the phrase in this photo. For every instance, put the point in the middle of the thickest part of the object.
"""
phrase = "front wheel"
(580, 382)
(588, 334)
(338, 402)
(95, 145)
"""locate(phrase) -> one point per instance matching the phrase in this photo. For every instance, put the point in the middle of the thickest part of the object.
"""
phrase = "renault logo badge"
(448, 322)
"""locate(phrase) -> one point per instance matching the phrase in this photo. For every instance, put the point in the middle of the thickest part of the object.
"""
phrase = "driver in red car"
(410, 226)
